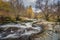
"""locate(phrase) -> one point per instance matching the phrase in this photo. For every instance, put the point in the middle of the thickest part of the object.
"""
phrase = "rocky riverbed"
(18, 31)
(30, 31)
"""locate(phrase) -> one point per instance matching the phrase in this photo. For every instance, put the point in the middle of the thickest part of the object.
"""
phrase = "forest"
(14, 10)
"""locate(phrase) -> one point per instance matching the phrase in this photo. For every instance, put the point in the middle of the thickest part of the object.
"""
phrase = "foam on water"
(24, 31)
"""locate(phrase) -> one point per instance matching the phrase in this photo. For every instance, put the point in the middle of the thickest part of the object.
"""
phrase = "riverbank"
(52, 31)
(30, 31)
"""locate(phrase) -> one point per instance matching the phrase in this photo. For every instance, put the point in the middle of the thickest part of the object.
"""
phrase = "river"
(18, 31)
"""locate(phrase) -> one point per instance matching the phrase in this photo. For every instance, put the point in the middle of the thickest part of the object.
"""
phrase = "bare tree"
(58, 11)
(45, 7)
(18, 7)
(56, 7)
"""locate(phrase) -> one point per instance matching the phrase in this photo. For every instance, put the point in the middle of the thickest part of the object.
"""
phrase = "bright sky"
(7, 0)
(30, 2)
(27, 2)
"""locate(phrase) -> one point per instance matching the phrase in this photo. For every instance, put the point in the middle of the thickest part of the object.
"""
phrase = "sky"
(32, 3)
(29, 2)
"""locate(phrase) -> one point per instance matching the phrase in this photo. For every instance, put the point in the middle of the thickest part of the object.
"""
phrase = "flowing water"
(18, 31)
